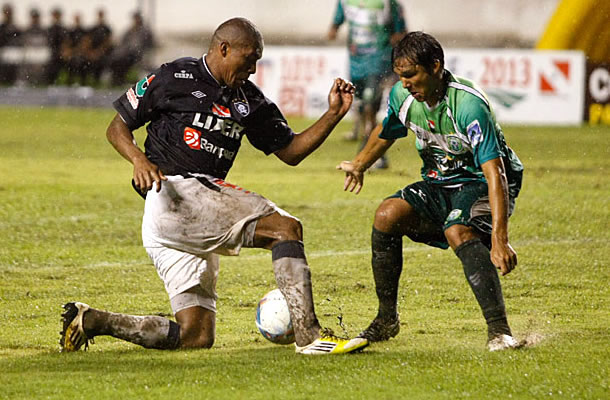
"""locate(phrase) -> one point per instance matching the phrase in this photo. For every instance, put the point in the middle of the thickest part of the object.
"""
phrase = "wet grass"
(69, 230)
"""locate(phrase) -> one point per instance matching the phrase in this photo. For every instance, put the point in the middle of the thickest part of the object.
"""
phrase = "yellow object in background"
(580, 25)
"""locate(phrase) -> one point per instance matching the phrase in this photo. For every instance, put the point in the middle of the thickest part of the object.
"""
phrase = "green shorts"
(369, 90)
(444, 207)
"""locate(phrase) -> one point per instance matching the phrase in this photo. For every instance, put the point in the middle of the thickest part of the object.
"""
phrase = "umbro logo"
(183, 75)
(199, 94)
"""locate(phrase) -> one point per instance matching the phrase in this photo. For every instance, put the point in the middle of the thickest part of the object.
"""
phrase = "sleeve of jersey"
(481, 132)
(138, 104)
(339, 15)
(399, 24)
(267, 129)
(393, 128)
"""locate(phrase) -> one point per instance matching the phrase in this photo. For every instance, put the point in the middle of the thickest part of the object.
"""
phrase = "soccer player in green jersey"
(373, 27)
(470, 181)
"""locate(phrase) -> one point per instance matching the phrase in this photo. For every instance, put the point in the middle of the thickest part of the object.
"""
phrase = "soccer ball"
(273, 318)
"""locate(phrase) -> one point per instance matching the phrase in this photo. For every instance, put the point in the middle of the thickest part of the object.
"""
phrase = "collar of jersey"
(205, 65)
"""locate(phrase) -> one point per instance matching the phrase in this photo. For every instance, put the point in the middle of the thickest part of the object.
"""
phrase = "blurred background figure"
(131, 49)
(9, 36)
(74, 52)
(56, 35)
(98, 46)
(35, 43)
(373, 27)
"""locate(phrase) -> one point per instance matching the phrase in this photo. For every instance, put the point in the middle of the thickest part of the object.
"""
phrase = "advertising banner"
(524, 86)
(597, 94)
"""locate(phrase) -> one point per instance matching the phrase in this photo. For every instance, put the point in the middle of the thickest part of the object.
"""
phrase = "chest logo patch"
(455, 144)
(431, 125)
(242, 107)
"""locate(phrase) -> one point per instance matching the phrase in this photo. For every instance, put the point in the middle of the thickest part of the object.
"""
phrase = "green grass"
(70, 226)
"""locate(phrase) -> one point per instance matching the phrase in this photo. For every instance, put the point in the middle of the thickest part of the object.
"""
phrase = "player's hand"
(504, 257)
(145, 173)
(354, 178)
(341, 96)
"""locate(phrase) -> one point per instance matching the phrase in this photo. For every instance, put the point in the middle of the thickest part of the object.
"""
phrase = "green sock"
(387, 266)
(485, 284)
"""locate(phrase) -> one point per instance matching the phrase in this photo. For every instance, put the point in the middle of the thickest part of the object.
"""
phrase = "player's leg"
(283, 235)
(394, 218)
(190, 281)
(467, 229)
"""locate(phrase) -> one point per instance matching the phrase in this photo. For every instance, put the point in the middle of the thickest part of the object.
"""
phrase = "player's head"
(235, 48)
(419, 62)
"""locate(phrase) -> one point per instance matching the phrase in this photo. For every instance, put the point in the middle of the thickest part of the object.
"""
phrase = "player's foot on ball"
(328, 343)
(73, 334)
(503, 342)
(381, 330)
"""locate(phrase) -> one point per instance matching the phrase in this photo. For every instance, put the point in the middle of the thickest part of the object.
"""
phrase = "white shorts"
(190, 221)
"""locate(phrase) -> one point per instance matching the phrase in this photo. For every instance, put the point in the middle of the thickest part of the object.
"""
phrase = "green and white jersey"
(370, 25)
(455, 137)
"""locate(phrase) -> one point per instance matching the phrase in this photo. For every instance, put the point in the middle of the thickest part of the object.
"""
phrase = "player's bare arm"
(340, 100)
(144, 172)
(354, 170)
(502, 254)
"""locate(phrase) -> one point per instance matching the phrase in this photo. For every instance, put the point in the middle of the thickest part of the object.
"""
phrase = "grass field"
(70, 230)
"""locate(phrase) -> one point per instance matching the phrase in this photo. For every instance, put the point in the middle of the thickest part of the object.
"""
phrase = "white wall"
(475, 21)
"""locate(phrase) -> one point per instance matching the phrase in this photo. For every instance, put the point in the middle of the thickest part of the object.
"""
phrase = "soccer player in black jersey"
(197, 111)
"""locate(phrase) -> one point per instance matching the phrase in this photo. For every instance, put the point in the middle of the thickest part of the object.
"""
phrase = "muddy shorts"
(467, 205)
(193, 219)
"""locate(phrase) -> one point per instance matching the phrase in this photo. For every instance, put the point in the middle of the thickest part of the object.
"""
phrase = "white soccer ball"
(273, 318)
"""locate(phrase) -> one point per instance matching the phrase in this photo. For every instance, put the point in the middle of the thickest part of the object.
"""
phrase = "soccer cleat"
(73, 335)
(328, 343)
(503, 342)
(381, 330)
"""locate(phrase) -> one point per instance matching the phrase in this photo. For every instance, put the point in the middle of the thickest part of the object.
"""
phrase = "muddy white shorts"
(190, 221)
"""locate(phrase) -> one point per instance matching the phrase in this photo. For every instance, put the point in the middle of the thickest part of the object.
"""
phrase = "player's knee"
(289, 229)
(385, 218)
(458, 234)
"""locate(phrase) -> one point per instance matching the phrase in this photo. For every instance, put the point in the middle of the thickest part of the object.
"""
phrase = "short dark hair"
(421, 48)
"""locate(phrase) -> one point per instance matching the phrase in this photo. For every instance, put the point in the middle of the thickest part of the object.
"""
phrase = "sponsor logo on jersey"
(199, 94)
(133, 99)
(242, 107)
(143, 85)
(183, 75)
(221, 111)
(226, 127)
(192, 137)
(474, 132)
(194, 140)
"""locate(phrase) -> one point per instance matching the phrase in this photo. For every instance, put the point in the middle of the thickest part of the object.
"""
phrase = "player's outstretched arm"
(503, 256)
(144, 172)
(354, 170)
(340, 100)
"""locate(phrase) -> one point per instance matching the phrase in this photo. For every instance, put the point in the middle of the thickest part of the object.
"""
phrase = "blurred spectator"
(9, 36)
(35, 54)
(373, 27)
(74, 52)
(56, 35)
(130, 50)
(99, 44)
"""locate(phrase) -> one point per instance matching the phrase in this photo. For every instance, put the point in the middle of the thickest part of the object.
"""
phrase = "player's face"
(241, 63)
(422, 85)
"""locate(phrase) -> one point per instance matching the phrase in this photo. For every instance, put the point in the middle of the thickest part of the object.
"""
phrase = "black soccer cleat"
(381, 330)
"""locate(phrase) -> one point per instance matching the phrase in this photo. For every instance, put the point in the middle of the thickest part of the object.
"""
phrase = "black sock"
(387, 266)
(485, 283)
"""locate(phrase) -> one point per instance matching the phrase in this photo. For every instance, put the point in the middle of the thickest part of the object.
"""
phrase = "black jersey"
(196, 126)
